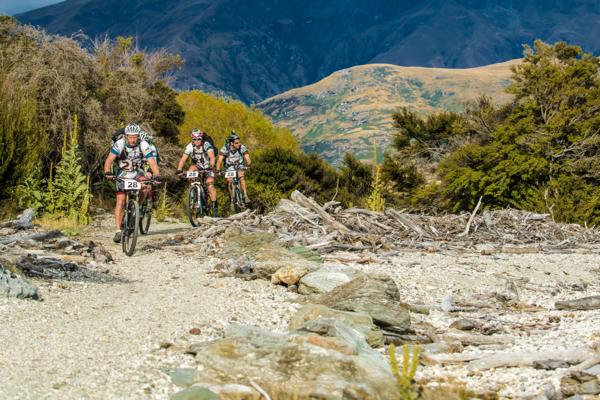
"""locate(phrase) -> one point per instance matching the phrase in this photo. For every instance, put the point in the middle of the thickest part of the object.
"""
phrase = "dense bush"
(45, 80)
(540, 153)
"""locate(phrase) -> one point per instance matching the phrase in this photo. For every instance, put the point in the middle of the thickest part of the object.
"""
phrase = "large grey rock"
(12, 285)
(326, 359)
(362, 322)
(376, 295)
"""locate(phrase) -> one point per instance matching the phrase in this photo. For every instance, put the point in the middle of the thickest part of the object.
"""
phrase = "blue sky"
(12, 7)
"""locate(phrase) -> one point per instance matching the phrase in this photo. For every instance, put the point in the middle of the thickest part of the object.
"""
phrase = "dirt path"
(101, 341)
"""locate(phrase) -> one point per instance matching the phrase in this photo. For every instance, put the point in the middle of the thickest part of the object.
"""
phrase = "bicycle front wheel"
(130, 227)
(238, 199)
(191, 205)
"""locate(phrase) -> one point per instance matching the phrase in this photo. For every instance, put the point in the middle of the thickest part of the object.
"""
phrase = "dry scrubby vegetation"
(538, 152)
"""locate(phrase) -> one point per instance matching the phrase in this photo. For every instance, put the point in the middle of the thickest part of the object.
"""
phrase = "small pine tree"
(405, 378)
(70, 184)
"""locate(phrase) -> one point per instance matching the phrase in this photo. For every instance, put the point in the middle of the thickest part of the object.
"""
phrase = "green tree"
(543, 154)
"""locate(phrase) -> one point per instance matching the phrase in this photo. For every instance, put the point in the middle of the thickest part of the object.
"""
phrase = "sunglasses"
(236, 142)
(196, 140)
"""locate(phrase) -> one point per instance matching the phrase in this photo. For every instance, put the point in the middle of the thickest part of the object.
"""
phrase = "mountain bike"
(196, 203)
(238, 203)
(131, 217)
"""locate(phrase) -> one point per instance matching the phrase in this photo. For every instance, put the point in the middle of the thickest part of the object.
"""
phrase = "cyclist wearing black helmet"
(235, 156)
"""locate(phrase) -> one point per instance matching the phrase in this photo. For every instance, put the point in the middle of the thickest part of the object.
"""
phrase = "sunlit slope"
(348, 110)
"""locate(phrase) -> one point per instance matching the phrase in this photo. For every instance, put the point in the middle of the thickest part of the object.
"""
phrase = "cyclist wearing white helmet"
(235, 156)
(202, 153)
(130, 153)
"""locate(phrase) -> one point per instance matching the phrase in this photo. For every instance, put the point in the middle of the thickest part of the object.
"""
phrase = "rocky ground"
(170, 315)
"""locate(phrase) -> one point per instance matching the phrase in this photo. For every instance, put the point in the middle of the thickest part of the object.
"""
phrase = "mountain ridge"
(255, 51)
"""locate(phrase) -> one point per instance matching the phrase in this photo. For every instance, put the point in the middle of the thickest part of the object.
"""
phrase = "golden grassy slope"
(347, 110)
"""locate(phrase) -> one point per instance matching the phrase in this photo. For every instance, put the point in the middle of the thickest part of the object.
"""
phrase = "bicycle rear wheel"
(145, 217)
(131, 224)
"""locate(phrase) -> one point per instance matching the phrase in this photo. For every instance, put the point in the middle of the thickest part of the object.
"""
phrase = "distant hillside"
(256, 49)
(349, 109)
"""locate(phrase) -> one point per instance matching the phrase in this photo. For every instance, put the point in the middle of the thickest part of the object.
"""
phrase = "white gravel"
(541, 279)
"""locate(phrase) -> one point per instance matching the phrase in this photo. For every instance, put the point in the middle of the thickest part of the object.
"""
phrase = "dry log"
(471, 339)
(468, 227)
(586, 303)
(571, 356)
(406, 221)
(312, 205)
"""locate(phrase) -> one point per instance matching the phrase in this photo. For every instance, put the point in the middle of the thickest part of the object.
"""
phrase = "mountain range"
(253, 50)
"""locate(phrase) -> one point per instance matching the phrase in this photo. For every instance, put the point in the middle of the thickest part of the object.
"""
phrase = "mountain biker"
(202, 153)
(130, 153)
(236, 158)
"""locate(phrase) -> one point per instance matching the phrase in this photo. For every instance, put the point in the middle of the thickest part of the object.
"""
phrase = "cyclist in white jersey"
(130, 152)
(202, 153)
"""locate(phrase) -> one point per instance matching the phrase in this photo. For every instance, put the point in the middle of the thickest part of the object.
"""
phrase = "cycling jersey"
(199, 155)
(233, 158)
(131, 158)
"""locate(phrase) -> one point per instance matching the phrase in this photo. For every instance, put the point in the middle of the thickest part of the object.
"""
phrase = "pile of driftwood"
(301, 221)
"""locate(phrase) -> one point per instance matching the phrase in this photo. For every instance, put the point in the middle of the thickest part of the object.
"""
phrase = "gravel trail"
(102, 341)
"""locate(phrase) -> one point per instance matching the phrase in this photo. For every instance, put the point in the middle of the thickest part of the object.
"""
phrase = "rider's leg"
(119, 204)
(243, 185)
(212, 192)
(230, 187)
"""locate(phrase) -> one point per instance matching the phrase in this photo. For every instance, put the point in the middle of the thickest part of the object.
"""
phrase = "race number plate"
(192, 174)
(132, 184)
(230, 174)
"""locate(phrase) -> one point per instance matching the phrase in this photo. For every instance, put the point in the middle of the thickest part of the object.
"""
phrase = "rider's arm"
(108, 163)
(247, 159)
(182, 161)
(153, 166)
(219, 161)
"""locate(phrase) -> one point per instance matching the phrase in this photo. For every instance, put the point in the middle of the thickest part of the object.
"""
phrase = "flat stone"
(464, 324)
(362, 322)
(182, 377)
(195, 393)
(321, 282)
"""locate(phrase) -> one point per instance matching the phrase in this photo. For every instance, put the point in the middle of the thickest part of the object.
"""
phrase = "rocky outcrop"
(324, 359)
(375, 295)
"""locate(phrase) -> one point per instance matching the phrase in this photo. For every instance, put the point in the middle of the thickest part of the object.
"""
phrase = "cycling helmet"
(133, 129)
(196, 134)
(233, 136)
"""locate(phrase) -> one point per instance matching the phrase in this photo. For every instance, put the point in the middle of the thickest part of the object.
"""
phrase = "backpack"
(210, 140)
(118, 134)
